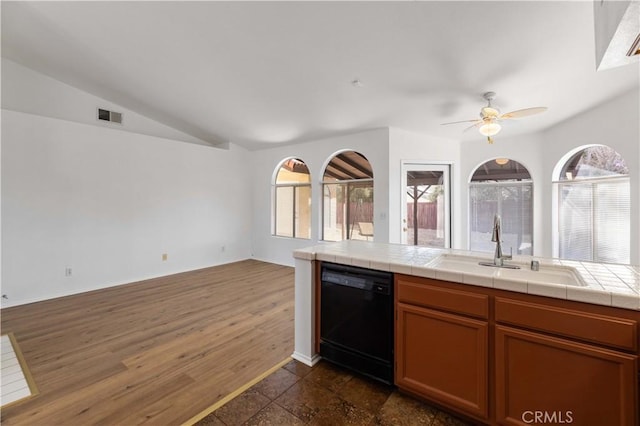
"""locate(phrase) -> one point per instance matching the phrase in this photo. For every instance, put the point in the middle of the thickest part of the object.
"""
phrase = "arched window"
(594, 206)
(292, 215)
(348, 198)
(501, 186)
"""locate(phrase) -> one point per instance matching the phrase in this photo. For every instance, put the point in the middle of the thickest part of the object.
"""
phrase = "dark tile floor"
(324, 395)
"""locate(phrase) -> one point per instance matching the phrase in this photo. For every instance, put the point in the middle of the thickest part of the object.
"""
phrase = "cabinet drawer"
(615, 332)
(422, 293)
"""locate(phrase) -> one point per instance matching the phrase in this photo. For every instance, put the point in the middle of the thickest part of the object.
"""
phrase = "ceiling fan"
(488, 123)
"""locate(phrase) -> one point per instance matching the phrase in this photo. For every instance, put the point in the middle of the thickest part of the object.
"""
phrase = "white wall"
(107, 200)
(108, 204)
(316, 154)
(409, 146)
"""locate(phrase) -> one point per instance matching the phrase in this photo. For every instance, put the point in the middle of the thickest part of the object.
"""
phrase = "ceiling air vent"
(112, 116)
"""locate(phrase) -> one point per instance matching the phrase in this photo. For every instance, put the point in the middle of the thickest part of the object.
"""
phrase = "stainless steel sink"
(547, 274)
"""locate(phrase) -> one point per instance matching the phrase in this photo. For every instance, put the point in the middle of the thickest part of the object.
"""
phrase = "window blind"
(594, 220)
(513, 202)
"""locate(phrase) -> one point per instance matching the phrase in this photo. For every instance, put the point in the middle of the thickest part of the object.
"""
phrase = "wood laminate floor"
(158, 352)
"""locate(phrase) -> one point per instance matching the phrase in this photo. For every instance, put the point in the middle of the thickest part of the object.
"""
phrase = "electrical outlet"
(165, 256)
(68, 272)
(4, 296)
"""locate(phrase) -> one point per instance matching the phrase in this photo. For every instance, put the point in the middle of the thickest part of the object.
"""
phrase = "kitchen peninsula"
(497, 345)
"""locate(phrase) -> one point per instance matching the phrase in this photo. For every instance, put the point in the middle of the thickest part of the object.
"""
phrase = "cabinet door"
(542, 379)
(443, 357)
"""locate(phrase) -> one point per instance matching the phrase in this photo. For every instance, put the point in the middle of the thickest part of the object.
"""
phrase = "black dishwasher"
(356, 319)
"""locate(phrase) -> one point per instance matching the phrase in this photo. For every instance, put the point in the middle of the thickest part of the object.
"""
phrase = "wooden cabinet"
(562, 380)
(439, 354)
(564, 363)
(444, 357)
(505, 358)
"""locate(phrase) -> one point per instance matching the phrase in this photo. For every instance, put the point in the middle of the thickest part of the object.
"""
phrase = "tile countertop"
(604, 284)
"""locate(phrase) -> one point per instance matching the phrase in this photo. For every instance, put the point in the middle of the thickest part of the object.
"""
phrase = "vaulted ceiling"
(263, 73)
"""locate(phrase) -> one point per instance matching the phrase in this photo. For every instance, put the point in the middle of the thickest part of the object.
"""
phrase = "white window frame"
(556, 193)
(556, 217)
(274, 196)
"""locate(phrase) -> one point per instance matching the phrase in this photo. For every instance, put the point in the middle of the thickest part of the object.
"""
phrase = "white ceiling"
(262, 73)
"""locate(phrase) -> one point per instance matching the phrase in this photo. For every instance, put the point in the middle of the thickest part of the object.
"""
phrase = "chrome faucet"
(496, 237)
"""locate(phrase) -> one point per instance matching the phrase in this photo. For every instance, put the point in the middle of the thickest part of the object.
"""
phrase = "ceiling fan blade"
(522, 113)
(475, 125)
(458, 122)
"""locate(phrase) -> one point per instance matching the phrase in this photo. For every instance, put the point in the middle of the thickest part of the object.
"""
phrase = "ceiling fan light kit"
(490, 129)
(489, 116)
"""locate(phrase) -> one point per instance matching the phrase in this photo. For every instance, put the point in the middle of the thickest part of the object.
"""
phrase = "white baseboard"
(310, 361)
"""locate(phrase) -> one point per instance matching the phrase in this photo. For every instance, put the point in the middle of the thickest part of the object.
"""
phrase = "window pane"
(517, 219)
(360, 211)
(293, 171)
(334, 212)
(348, 211)
(611, 217)
(501, 169)
(292, 204)
(514, 205)
(575, 222)
(594, 221)
(303, 212)
(284, 211)
(425, 221)
(594, 207)
(483, 206)
(503, 187)
(347, 202)
(595, 161)
(349, 165)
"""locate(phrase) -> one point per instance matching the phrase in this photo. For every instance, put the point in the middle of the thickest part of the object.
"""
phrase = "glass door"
(426, 205)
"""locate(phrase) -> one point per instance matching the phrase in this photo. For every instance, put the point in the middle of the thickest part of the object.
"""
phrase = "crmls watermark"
(547, 417)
